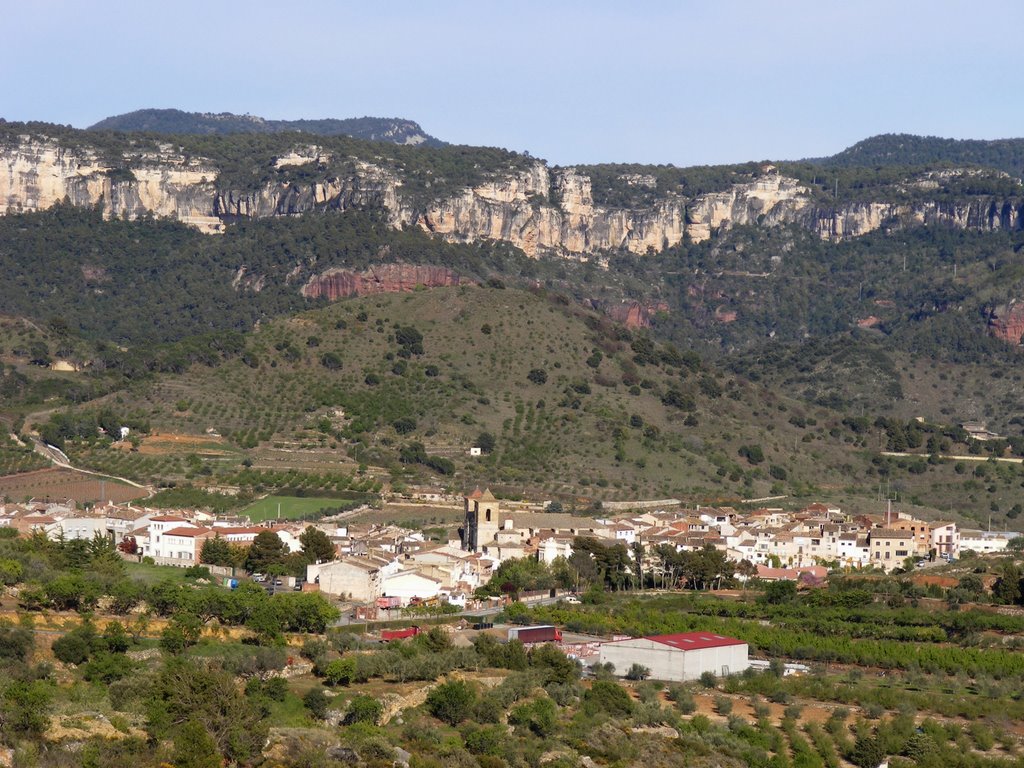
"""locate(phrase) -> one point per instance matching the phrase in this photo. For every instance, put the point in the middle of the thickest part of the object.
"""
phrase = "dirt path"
(58, 458)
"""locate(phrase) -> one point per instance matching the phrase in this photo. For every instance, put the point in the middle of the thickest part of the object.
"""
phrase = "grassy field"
(154, 574)
(290, 507)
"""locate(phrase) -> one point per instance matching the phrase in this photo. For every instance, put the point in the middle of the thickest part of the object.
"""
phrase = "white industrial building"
(680, 657)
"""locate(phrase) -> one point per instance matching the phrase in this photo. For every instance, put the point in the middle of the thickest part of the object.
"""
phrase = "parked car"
(572, 600)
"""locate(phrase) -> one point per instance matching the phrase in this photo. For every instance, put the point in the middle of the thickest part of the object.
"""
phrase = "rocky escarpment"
(985, 214)
(1006, 322)
(631, 314)
(336, 284)
(37, 173)
(538, 209)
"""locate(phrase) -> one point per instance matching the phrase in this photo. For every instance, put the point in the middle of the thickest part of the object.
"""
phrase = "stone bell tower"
(482, 520)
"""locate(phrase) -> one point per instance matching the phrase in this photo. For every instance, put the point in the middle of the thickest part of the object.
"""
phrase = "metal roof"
(693, 641)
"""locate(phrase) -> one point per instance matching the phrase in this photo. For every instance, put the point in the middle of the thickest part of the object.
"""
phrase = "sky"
(687, 83)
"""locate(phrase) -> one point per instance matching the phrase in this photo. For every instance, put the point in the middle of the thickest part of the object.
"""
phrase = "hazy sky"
(574, 82)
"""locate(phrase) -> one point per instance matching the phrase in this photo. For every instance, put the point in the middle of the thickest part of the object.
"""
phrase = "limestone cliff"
(771, 199)
(538, 209)
(37, 173)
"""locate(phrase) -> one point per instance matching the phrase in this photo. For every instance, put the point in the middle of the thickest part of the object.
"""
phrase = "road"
(955, 457)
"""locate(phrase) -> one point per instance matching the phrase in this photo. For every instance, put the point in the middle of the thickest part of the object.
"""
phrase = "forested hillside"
(903, 149)
(175, 121)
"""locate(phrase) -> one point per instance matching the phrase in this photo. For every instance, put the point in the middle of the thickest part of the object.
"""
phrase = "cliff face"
(540, 210)
(511, 209)
(772, 199)
(631, 314)
(384, 278)
(38, 173)
(1006, 322)
(981, 214)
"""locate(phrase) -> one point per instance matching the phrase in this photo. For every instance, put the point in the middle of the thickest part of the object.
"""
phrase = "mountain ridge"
(175, 121)
(889, 149)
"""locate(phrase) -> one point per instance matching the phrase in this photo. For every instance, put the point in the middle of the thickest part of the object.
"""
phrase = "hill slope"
(903, 149)
(175, 121)
(397, 388)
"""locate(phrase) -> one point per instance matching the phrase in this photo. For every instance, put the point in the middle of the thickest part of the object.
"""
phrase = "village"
(380, 567)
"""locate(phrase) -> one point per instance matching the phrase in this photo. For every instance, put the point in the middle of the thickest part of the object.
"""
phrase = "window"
(488, 515)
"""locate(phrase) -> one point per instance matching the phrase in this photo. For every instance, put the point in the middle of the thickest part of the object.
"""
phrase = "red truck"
(387, 635)
(541, 633)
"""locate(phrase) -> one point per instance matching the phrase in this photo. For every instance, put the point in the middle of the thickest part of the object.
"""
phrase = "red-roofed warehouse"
(679, 657)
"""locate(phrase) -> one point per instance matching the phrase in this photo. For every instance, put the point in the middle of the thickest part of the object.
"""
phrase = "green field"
(291, 507)
(155, 574)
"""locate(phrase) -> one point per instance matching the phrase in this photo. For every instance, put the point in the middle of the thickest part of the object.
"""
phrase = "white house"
(358, 578)
(407, 585)
(982, 542)
(71, 528)
(183, 543)
(945, 539)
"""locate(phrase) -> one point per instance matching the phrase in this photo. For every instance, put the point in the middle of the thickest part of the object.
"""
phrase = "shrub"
(538, 716)
(451, 702)
(73, 648)
(316, 702)
(340, 671)
(866, 753)
(608, 697)
(364, 709)
(485, 741)
(15, 643)
(537, 376)
(723, 705)
(638, 672)
(682, 698)
(708, 679)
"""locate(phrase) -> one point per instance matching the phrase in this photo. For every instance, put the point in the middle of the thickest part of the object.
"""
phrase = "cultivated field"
(54, 484)
(291, 507)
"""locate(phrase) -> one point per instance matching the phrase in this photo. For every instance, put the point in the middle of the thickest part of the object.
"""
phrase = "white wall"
(668, 663)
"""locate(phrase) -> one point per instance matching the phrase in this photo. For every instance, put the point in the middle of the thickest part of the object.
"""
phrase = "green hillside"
(575, 404)
(396, 389)
(903, 149)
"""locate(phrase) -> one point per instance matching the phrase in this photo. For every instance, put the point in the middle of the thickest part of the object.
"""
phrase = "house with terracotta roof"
(678, 657)
(890, 548)
(181, 545)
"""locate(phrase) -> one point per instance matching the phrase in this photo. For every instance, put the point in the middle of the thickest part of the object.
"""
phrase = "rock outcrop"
(1006, 322)
(336, 284)
(771, 199)
(540, 210)
(631, 314)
